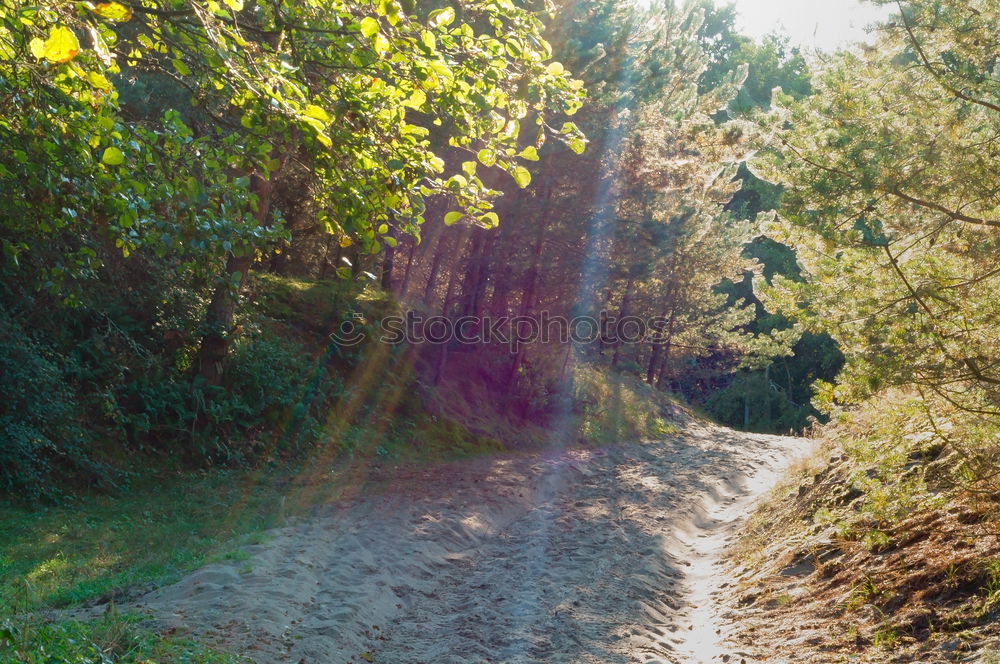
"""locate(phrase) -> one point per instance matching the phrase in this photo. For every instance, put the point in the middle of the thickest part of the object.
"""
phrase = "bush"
(753, 403)
(40, 435)
(273, 386)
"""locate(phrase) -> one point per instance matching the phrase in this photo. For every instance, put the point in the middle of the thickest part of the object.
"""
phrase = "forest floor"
(603, 554)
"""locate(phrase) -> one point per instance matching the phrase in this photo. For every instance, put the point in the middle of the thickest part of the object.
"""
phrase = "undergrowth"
(112, 639)
(900, 538)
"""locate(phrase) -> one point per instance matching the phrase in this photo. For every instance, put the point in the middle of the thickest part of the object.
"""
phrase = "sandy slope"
(599, 555)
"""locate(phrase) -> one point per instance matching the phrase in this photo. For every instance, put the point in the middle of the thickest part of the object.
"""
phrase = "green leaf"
(37, 46)
(453, 218)
(487, 157)
(428, 40)
(380, 44)
(369, 26)
(569, 128)
(489, 220)
(521, 176)
(181, 68)
(317, 112)
(441, 17)
(416, 99)
(113, 156)
(98, 81)
(529, 153)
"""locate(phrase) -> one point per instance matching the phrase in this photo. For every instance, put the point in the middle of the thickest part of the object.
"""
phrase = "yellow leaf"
(61, 46)
(346, 241)
(98, 81)
(380, 44)
(317, 112)
(416, 99)
(235, 5)
(37, 47)
(369, 26)
(113, 11)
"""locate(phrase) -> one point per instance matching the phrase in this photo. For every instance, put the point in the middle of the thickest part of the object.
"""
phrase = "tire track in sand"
(581, 555)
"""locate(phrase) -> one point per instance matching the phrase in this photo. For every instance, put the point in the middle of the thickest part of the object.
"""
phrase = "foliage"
(159, 144)
(39, 417)
(275, 79)
(101, 546)
(891, 205)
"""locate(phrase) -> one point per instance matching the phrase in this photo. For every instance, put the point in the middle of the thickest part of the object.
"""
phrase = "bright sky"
(825, 24)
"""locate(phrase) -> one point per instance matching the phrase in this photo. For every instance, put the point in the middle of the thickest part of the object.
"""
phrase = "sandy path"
(601, 555)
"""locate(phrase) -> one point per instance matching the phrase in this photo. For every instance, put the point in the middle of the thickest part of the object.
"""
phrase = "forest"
(590, 221)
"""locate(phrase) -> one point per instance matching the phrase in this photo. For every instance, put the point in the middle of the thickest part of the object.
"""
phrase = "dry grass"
(826, 577)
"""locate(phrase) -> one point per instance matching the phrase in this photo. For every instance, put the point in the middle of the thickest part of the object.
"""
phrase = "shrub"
(40, 435)
(273, 385)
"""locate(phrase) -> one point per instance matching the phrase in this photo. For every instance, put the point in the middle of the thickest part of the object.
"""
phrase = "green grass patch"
(616, 408)
(96, 546)
(112, 639)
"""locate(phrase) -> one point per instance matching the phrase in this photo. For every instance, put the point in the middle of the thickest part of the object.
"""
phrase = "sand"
(579, 555)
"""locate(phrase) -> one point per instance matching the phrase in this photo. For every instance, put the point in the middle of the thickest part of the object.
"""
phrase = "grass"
(614, 408)
(97, 546)
(113, 638)
(885, 637)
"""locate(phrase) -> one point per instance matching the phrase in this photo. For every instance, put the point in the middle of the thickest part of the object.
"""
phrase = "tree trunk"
(404, 288)
(439, 251)
(222, 309)
(664, 361)
(767, 397)
(661, 353)
(473, 274)
(654, 363)
(623, 311)
(326, 257)
(445, 307)
(528, 294)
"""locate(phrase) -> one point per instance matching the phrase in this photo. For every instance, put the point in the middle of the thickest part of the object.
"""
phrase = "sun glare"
(826, 25)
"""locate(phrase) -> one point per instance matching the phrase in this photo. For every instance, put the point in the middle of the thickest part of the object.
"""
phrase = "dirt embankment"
(812, 591)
